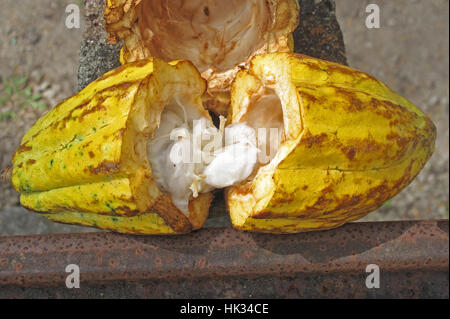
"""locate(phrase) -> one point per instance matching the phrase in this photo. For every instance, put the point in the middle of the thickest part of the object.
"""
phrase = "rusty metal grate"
(225, 263)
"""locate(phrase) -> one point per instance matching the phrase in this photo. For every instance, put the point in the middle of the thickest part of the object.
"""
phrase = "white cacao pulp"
(189, 155)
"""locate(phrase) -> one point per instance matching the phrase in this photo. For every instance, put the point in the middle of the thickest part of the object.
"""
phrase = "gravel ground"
(409, 52)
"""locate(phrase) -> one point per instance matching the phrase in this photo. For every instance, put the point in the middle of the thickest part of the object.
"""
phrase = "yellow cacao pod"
(349, 144)
(85, 162)
(219, 37)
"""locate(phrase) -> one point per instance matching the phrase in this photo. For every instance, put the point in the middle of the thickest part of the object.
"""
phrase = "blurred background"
(410, 53)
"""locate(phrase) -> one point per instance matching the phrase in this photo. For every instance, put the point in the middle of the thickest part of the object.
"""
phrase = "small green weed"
(15, 92)
(387, 204)
(8, 115)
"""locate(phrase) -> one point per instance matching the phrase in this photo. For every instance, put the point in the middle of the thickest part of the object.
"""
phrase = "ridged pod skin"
(350, 144)
(219, 37)
(85, 161)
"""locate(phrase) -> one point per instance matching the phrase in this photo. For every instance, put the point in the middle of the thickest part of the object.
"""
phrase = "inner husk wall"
(213, 34)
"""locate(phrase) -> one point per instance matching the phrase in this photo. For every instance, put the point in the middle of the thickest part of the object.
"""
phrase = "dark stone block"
(96, 56)
(319, 34)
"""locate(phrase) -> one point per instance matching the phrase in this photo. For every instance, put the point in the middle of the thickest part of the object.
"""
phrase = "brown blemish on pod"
(105, 167)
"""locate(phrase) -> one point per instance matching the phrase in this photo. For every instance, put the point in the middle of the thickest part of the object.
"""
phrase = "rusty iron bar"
(413, 258)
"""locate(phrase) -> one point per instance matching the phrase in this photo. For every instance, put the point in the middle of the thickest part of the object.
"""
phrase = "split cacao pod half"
(219, 37)
(349, 144)
(86, 162)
